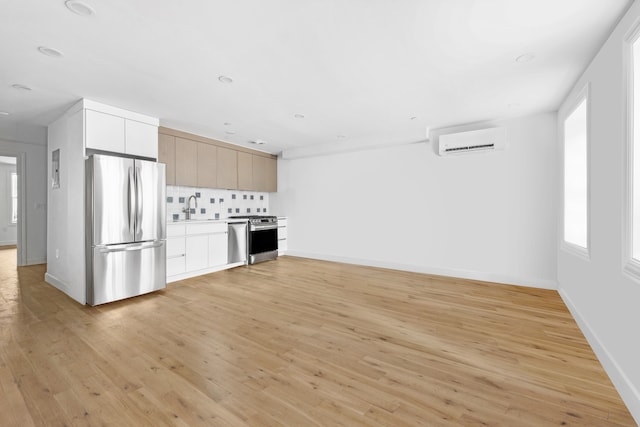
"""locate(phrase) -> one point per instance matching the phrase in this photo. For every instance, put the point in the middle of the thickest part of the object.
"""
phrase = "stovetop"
(252, 216)
(256, 219)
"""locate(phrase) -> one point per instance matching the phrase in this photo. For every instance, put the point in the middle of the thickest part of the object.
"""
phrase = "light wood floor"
(298, 342)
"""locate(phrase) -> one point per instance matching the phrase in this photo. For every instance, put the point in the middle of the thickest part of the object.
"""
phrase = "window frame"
(630, 265)
(14, 197)
(582, 96)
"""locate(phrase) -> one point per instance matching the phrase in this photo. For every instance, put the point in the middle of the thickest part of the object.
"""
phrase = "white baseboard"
(55, 282)
(625, 387)
(79, 297)
(182, 276)
(437, 271)
(8, 243)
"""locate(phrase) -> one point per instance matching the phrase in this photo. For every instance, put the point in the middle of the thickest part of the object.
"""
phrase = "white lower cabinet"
(175, 266)
(197, 252)
(218, 249)
(175, 256)
(196, 248)
(282, 234)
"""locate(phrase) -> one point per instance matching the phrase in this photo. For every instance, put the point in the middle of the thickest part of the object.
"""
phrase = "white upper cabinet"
(141, 139)
(120, 131)
(104, 131)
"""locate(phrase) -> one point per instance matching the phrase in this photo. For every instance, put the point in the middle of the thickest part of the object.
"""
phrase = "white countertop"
(206, 221)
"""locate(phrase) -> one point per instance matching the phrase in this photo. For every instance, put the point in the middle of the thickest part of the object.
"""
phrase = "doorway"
(12, 205)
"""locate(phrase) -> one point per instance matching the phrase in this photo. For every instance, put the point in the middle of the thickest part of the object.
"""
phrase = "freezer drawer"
(123, 271)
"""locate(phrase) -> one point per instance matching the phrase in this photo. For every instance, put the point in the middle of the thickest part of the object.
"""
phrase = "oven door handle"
(263, 227)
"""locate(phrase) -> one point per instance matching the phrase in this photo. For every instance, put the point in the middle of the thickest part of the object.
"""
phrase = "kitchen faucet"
(187, 210)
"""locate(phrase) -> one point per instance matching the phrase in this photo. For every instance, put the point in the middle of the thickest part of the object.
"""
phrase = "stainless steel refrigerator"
(125, 228)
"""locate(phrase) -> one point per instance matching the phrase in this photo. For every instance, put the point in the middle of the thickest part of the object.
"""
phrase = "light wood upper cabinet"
(271, 178)
(186, 162)
(167, 155)
(207, 166)
(264, 174)
(259, 173)
(227, 170)
(245, 171)
(196, 161)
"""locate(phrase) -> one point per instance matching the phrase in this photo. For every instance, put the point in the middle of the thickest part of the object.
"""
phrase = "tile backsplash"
(215, 203)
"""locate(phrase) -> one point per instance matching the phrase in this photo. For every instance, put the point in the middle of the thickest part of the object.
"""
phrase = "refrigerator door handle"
(132, 202)
(129, 247)
(139, 202)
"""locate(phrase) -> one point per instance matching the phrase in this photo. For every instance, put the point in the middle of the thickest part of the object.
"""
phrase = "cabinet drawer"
(207, 228)
(282, 232)
(175, 230)
(175, 247)
(282, 245)
(175, 266)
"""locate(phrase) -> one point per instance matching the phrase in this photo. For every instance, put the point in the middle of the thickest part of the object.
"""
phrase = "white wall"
(8, 235)
(604, 300)
(486, 216)
(65, 243)
(33, 149)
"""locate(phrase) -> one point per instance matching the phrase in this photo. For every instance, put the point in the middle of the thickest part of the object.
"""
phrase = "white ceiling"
(358, 70)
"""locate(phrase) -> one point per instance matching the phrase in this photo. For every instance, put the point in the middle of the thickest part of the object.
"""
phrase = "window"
(576, 221)
(14, 198)
(632, 233)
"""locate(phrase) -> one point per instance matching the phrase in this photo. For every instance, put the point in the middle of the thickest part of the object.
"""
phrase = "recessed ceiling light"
(225, 79)
(527, 57)
(230, 132)
(413, 118)
(513, 105)
(79, 8)
(49, 51)
(259, 141)
(3, 113)
(342, 136)
(21, 87)
(227, 123)
(299, 116)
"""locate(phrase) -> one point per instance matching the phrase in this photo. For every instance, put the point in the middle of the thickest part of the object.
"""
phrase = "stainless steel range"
(263, 237)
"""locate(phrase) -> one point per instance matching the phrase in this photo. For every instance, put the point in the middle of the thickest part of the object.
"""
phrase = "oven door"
(263, 243)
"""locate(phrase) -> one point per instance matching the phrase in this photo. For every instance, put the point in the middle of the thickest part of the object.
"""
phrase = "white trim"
(119, 112)
(21, 232)
(21, 169)
(8, 242)
(55, 282)
(572, 249)
(582, 95)
(11, 174)
(530, 282)
(630, 266)
(625, 387)
(182, 276)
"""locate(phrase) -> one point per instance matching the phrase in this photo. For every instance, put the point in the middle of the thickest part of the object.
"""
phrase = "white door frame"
(21, 235)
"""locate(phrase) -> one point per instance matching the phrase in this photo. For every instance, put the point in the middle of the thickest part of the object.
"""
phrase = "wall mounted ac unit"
(472, 141)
